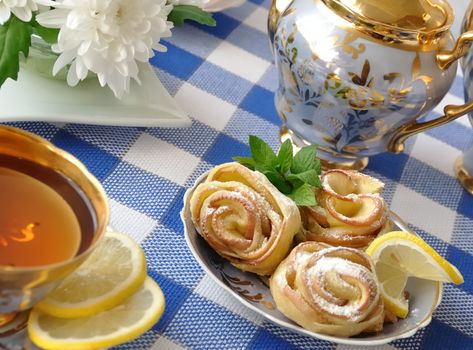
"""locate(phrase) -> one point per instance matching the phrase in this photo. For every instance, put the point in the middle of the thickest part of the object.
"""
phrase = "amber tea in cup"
(52, 214)
(44, 217)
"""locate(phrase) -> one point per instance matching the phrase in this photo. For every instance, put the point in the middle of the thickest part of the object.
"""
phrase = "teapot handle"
(446, 58)
(450, 112)
(276, 9)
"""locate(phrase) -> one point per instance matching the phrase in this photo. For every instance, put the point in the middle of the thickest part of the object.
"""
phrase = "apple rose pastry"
(350, 211)
(329, 290)
(245, 218)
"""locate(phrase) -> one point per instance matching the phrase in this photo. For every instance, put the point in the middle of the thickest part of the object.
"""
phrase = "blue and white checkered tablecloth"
(225, 79)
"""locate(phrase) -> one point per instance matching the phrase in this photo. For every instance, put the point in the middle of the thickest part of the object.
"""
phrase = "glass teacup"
(21, 287)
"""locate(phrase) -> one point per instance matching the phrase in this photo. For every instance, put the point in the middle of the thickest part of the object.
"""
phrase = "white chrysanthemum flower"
(20, 8)
(209, 5)
(107, 37)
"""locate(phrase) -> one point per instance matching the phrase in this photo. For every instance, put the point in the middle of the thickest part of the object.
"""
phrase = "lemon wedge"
(120, 324)
(399, 255)
(114, 271)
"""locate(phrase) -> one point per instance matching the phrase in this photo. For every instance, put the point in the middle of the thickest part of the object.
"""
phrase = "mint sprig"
(296, 176)
(181, 13)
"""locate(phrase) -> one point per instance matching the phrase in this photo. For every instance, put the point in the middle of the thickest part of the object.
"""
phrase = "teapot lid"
(412, 22)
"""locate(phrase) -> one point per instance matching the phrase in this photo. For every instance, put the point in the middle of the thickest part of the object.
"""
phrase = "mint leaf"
(261, 152)
(246, 161)
(275, 178)
(15, 37)
(285, 156)
(317, 166)
(47, 34)
(304, 160)
(181, 13)
(303, 195)
(310, 176)
(295, 176)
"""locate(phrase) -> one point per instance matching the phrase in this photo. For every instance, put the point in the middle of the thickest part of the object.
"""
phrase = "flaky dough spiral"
(350, 211)
(329, 290)
(245, 218)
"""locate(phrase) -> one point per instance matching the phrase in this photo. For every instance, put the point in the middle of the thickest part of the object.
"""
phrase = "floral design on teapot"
(347, 91)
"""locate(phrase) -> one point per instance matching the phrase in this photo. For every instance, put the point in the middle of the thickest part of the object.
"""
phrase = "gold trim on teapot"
(415, 24)
(356, 75)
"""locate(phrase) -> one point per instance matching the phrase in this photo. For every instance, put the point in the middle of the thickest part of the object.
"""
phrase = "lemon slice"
(399, 255)
(114, 271)
(123, 323)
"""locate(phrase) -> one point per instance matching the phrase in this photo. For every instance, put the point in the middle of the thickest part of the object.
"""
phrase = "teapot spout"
(275, 10)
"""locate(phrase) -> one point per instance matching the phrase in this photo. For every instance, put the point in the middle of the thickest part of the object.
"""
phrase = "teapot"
(356, 75)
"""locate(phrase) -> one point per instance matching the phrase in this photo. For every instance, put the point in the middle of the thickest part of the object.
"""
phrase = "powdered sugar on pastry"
(330, 290)
(353, 309)
(350, 211)
(244, 218)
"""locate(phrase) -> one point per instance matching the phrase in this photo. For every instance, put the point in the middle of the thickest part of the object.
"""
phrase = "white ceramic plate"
(36, 98)
(253, 292)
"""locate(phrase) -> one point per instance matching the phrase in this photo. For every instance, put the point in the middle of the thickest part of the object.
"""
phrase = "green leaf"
(285, 156)
(15, 37)
(295, 176)
(246, 161)
(303, 195)
(261, 152)
(181, 13)
(310, 176)
(275, 178)
(304, 160)
(317, 166)
(47, 34)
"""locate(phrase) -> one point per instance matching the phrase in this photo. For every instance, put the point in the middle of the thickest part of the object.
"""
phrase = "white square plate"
(37, 98)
